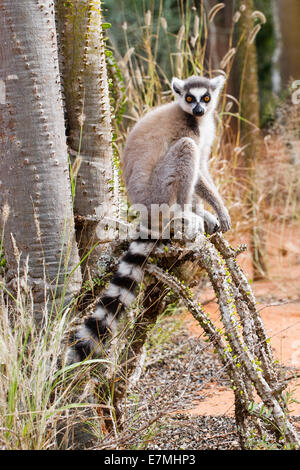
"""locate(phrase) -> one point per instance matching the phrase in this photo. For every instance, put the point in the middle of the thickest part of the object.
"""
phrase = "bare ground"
(183, 378)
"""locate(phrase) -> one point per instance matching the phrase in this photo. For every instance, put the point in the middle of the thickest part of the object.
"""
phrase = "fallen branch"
(241, 343)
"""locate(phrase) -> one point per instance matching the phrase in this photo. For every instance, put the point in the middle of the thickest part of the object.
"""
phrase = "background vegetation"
(255, 162)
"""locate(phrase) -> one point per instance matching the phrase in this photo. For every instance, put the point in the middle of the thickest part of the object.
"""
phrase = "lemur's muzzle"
(198, 110)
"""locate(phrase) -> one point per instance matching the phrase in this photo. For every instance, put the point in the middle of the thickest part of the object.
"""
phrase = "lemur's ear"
(218, 82)
(177, 86)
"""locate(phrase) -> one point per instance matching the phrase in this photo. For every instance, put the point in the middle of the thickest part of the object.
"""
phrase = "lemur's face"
(198, 95)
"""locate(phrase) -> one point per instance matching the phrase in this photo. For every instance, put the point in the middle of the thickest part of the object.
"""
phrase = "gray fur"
(165, 160)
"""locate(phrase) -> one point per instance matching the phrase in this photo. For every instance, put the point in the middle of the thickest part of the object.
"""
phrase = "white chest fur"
(207, 134)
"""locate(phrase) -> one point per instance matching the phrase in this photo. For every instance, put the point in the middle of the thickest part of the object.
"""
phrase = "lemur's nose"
(198, 110)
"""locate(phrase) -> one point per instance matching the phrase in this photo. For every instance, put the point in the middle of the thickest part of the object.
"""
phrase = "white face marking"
(198, 92)
(216, 84)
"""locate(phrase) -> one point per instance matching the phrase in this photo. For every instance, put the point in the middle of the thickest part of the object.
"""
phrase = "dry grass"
(146, 86)
(34, 396)
(36, 402)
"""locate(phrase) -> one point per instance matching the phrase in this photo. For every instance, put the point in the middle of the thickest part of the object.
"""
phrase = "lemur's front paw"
(225, 221)
(211, 223)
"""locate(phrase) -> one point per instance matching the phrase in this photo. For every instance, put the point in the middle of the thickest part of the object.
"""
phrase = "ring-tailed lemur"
(165, 161)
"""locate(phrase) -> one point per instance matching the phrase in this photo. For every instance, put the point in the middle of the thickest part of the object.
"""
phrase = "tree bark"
(84, 76)
(250, 136)
(35, 182)
(289, 24)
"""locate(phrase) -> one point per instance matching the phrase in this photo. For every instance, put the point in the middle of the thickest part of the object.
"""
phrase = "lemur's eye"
(189, 98)
(206, 98)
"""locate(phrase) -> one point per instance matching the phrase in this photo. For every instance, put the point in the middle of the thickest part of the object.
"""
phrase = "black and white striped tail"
(90, 338)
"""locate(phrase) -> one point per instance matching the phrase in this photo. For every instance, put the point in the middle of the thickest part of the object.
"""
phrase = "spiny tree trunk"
(84, 76)
(289, 24)
(34, 169)
(249, 109)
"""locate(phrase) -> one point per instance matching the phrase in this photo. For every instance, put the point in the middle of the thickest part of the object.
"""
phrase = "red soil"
(279, 304)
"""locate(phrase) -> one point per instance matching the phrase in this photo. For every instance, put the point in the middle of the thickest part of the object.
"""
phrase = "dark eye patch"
(206, 98)
(190, 98)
